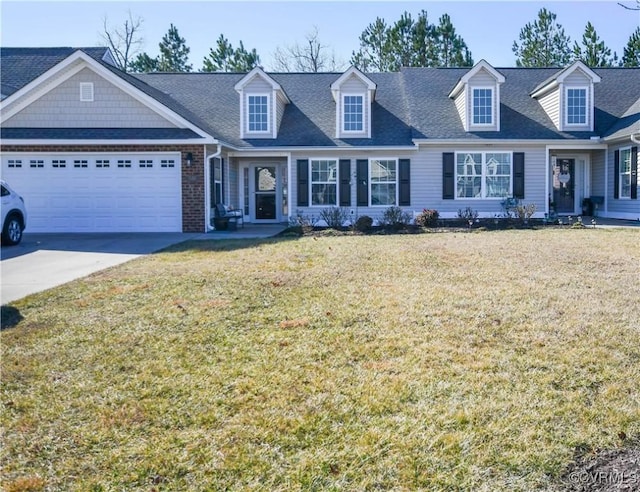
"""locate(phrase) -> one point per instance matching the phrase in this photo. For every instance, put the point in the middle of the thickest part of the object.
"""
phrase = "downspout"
(635, 138)
(207, 187)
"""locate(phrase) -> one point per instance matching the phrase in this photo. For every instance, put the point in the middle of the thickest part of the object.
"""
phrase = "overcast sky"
(488, 28)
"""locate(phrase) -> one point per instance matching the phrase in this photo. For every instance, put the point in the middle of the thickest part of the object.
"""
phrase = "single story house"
(94, 149)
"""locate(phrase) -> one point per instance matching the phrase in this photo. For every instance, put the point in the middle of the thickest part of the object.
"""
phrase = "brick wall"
(193, 219)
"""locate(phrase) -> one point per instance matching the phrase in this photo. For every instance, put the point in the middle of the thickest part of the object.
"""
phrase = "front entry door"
(564, 184)
(266, 180)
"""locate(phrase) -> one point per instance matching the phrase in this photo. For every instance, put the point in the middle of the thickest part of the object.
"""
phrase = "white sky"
(489, 28)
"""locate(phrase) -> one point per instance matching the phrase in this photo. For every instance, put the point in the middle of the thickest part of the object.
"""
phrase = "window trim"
(343, 113)
(248, 131)
(396, 182)
(311, 182)
(473, 113)
(483, 176)
(620, 173)
(587, 109)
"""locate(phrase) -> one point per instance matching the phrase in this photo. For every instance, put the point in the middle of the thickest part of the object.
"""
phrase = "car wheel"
(12, 230)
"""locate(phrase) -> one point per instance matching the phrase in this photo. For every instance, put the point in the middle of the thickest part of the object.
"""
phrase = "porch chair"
(224, 215)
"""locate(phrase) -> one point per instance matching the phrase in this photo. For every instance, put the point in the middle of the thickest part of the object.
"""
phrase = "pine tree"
(174, 52)
(227, 59)
(593, 52)
(409, 43)
(543, 43)
(143, 63)
(375, 47)
(631, 54)
(451, 48)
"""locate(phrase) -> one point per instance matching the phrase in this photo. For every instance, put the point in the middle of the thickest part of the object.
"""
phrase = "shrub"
(427, 218)
(395, 217)
(334, 217)
(467, 214)
(363, 224)
(525, 212)
(304, 222)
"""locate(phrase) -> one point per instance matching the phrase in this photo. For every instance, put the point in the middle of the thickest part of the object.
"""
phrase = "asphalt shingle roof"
(412, 103)
(19, 66)
(98, 133)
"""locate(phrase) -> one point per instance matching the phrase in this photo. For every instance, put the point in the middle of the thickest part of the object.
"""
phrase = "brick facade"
(193, 191)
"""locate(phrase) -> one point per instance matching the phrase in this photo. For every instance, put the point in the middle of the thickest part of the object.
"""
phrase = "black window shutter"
(405, 182)
(303, 182)
(634, 173)
(616, 174)
(448, 176)
(345, 182)
(362, 175)
(518, 175)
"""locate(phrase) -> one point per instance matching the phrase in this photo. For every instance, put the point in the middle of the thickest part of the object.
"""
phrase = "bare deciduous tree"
(124, 41)
(311, 56)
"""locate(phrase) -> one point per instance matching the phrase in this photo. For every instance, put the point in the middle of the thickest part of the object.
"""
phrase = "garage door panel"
(98, 192)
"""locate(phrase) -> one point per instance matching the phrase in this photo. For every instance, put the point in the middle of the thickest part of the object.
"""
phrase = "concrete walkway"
(43, 261)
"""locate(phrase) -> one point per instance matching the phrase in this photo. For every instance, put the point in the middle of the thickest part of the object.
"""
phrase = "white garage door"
(98, 192)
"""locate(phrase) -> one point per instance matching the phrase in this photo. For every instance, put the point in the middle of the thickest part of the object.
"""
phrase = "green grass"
(454, 361)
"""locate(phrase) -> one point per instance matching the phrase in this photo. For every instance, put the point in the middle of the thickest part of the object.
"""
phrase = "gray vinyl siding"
(620, 205)
(231, 171)
(280, 106)
(550, 102)
(461, 106)
(426, 182)
(353, 85)
(597, 173)
(111, 108)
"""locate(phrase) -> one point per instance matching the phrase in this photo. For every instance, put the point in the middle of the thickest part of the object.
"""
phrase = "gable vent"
(86, 91)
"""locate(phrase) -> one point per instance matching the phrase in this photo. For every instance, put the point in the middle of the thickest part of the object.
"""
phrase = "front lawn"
(449, 361)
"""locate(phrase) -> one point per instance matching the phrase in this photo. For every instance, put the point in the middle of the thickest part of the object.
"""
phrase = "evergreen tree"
(593, 52)
(143, 63)
(425, 49)
(409, 43)
(451, 48)
(374, 54)
(631, 54)
(227, 59)
(543, 43)
(402, 43)
(174, 53)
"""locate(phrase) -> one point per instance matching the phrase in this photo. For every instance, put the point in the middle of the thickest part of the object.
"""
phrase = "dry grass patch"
(435, 362)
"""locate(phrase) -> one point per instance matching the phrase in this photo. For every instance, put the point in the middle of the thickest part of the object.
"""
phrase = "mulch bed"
(609, 470)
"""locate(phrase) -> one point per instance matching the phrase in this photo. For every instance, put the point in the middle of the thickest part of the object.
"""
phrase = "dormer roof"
(259, 72)
(481, 65)
(353, 71)
(559, 78)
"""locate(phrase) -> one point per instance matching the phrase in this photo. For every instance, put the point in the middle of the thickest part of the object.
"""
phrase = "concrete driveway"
(43, 261)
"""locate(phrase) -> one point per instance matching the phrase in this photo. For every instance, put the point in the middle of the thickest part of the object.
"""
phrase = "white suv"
(14, 215)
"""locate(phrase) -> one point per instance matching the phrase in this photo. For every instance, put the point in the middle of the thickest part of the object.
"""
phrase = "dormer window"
(477, 98)
(568, 97)
(483, 106)
(353, 93)
(353, 113)
(262, 105)
(258, 113)
(576, 106)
